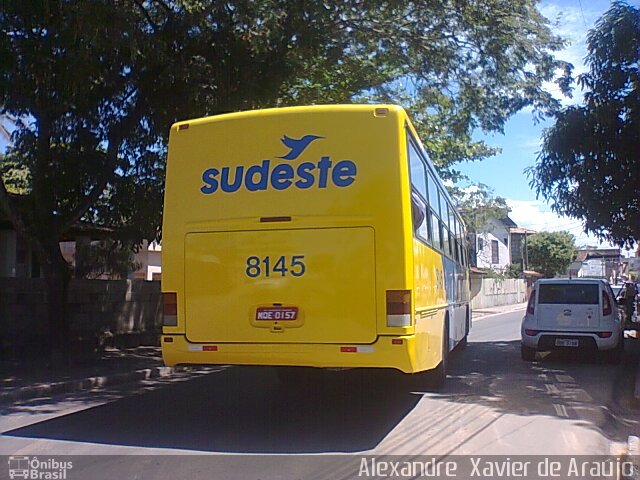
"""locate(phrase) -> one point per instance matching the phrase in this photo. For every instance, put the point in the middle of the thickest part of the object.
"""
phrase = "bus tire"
(527, 354)
(438, 376)
(464, 341)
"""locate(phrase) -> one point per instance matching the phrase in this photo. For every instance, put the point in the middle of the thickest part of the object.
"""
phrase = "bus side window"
(433, 193)
(419, 216)
(435, 230)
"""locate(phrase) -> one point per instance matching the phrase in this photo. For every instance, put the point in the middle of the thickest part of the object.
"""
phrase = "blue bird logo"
(297, 145)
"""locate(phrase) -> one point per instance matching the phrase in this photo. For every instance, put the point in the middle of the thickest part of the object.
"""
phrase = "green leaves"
(550, 253)
(96, 85)
(588, 167)
(477, 205)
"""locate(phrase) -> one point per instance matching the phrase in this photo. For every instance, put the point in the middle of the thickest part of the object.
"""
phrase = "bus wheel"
(463, 342)
(438, 376)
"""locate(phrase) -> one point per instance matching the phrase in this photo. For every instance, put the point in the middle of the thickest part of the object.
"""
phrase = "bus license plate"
(277, 313)
(567, 342)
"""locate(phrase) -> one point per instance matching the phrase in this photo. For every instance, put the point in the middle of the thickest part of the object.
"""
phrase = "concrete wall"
(128, 311)
(491, 292)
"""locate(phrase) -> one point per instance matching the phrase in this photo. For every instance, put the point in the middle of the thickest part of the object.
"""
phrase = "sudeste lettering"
(280, 177)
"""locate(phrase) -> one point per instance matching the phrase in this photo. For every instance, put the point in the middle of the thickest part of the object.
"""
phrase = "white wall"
(491, 292)
(150, 259)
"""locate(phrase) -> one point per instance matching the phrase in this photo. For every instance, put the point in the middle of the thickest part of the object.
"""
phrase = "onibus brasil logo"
(282, 176)
(38, 469)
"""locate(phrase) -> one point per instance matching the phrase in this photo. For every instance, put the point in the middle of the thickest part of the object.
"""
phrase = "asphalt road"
(493, 403)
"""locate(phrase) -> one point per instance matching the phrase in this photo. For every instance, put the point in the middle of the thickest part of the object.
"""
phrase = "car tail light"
(398, 308)
(530, 332)
(169, 309)
(606, 304)
(531, 303)
(605, 334)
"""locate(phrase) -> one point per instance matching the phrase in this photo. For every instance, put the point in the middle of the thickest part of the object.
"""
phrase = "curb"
(71, 386)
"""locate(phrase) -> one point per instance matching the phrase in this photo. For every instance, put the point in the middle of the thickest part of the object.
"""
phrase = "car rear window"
(576, 294)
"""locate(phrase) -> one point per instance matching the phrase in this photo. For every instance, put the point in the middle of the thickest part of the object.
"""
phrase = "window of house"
(495, 257)
(480, 244)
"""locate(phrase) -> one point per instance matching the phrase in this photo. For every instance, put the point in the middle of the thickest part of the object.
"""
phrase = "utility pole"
(526, 253)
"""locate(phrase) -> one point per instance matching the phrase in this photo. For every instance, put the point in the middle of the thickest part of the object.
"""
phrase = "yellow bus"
(315, 236)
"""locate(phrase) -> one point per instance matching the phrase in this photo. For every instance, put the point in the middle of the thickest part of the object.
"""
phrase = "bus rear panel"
(287, 241)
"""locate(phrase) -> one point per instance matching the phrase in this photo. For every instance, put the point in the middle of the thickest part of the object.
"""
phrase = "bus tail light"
(398, 308)
(605, 334)
(169, 309)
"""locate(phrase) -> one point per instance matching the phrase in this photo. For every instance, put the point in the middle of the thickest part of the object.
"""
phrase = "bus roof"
(290, 110)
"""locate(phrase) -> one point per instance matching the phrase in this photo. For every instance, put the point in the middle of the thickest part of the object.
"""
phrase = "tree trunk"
(57, 277)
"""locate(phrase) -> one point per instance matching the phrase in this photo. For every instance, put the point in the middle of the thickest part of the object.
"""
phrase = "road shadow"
(580, 387)
(244, 410)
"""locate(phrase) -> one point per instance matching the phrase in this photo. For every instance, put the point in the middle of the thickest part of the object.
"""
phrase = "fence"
(124, 312)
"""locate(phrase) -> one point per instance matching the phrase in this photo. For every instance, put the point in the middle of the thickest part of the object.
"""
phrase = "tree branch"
(107, 175)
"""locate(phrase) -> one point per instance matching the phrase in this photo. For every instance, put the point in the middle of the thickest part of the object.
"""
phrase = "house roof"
(532, 273)
(506, 220)
(606, 253)
(522, 231)
(96, 232)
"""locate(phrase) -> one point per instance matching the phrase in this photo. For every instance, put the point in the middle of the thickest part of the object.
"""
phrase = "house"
(498, 244)
(17, 259)
(149, 261)
(593, 262)
(491, 244)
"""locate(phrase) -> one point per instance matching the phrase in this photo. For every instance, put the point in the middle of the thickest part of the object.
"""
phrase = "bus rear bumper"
(397, 352)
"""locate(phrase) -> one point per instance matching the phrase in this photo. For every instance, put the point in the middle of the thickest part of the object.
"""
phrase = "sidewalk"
(22, 381)
(477, 314)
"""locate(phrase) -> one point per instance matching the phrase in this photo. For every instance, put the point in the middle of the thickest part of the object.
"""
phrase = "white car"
(572, 314)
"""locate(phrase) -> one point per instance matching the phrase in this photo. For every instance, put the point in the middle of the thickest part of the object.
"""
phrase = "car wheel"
(528, 354)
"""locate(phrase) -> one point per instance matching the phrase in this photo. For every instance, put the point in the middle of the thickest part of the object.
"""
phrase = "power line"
(584, 20)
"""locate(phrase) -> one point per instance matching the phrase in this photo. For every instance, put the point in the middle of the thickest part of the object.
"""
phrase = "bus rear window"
(576, 294)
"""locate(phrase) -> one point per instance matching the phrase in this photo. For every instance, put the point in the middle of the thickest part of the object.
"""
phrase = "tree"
(550, 253)
(588, 166)
(477, 205)
(94, 87)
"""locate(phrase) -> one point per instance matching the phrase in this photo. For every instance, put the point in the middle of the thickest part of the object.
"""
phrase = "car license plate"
(276, 314)
(567, 342)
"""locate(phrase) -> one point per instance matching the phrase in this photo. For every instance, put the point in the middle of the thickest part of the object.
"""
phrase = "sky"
(521, 140)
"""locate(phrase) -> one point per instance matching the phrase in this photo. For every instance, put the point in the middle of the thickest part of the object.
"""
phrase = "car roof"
(573, 280)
